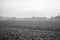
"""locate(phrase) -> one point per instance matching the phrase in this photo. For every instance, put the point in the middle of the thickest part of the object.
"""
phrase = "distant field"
(39, 25)
(30, 30)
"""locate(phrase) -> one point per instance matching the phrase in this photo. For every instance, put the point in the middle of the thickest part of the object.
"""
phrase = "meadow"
(29, 30)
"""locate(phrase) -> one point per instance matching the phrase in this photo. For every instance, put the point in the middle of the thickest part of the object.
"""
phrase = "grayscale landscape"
(29, 19)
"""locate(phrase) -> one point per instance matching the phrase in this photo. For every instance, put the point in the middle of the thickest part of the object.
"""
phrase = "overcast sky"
(29, 8)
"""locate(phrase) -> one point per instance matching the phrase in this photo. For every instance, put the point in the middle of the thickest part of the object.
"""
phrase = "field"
(29, 30)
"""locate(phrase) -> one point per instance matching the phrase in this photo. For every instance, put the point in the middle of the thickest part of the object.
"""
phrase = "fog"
(29, 8)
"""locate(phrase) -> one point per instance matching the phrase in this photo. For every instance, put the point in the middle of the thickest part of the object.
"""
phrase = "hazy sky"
(29, 8)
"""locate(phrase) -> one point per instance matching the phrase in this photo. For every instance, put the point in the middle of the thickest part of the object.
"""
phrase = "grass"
(27, 30)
